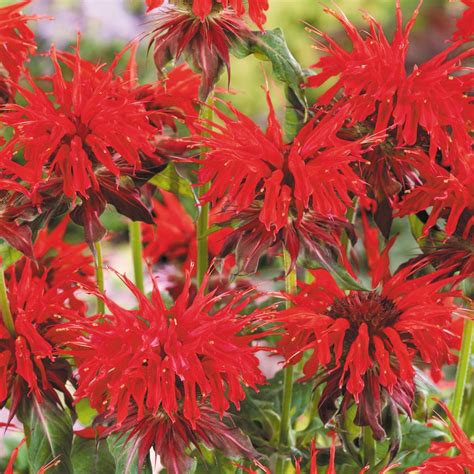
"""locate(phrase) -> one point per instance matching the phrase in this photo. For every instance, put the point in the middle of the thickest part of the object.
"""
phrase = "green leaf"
(8, 255)
(50, 437)
(170, 180)
(417, 438)
(126, 455)
(271, 45)
(85, 413)
(416, 226)
(90, 456)
(343, 278)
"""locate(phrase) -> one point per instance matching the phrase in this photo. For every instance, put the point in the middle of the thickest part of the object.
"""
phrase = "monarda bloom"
(165, 361)
(364, 345)
(429, 104)
(16, 39)
(296, 194)
(82, 140)
(30, 365)
(204, 41)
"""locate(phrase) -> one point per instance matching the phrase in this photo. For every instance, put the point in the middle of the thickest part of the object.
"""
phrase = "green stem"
(462, 369)
(285, 424)
(137, 254)
(202, 237)
(5, 305)
(202, 228)
(368, 446)
(99, 275)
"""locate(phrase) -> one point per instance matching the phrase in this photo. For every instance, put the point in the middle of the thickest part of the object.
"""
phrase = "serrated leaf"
(125, 456)
(170, 180)
(50, 437)
(90, 456)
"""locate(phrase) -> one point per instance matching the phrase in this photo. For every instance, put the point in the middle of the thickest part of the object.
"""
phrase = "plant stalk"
(285, 423)
(462, 369)
(99, 275)
(137, 254)
(202, 227)
(5, 305)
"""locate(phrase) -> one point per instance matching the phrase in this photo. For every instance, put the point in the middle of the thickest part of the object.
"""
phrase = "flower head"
(297, 193)
(167, 360)
(80, 132)
(16, 38)
(29, 357)
(204, 42)
(432, 100)
(365, 344)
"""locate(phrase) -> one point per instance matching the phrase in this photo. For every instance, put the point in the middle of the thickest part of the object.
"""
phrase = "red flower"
(365, 344)
(433, 99)
(173, 99)
(16, 38)
(463, 462)
(203, 8)
(173, 235)
(450, 194)
(204, 43)
(79, 132)
(12, 209)
(172, 438)
(464, 26)
(167, 360)
(62, 265)
(29, 361)
(296, 193)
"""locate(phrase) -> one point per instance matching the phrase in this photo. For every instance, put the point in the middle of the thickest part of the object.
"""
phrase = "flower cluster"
(311, 200)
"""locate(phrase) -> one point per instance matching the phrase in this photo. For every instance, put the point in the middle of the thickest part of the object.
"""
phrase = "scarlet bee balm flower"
(365, 344)
(80, 130)
(167, 360)
(29, 359)
(296, 193)
(204, 43)
(432, 100)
